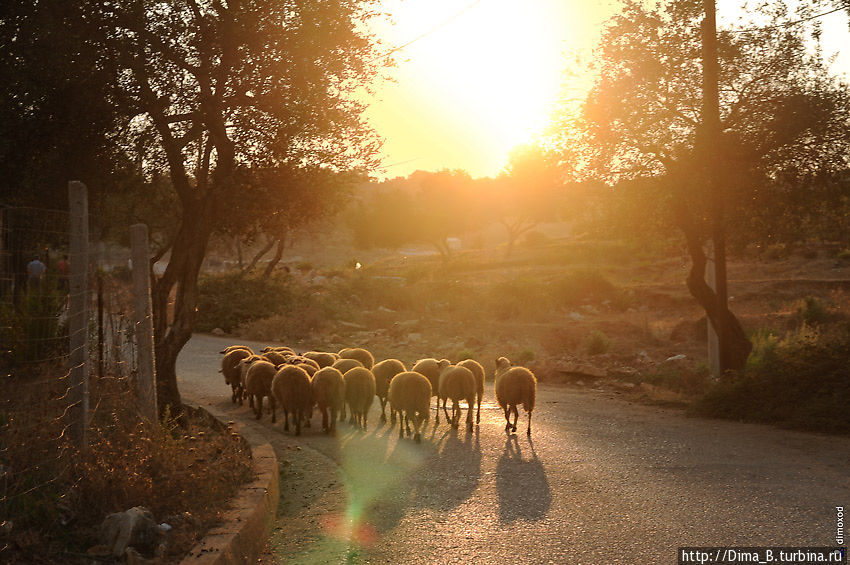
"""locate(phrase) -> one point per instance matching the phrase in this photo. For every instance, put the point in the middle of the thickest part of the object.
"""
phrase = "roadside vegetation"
(55, 497)
(597, 313)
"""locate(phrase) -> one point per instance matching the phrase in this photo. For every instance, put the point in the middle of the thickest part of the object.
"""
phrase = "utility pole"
(719, 355)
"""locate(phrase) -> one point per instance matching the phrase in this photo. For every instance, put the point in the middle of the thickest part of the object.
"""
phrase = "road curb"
(246, 526)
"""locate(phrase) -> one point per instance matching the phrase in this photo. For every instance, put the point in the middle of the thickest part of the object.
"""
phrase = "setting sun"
(475, 80)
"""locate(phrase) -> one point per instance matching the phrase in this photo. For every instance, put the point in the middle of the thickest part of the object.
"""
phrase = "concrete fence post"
(78, 319)
(143, 321)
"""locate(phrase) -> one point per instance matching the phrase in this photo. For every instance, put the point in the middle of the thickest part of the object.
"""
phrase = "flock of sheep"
(350, 378)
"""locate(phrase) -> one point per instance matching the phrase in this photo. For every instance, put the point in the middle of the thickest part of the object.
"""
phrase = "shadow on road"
(521, 483)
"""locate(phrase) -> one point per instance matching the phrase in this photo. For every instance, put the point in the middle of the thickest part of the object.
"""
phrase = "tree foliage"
(783, 121)
(219, 92)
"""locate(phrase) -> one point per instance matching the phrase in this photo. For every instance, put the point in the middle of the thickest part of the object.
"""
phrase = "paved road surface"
(601, 481)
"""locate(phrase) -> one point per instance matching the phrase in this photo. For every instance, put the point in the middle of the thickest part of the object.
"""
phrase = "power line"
(427, 33)
(787, 24)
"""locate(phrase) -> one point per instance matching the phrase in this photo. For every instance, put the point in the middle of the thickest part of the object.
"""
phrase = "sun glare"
(478, 79)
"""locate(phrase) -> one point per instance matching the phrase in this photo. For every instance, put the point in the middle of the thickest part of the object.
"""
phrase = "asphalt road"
(601, 481)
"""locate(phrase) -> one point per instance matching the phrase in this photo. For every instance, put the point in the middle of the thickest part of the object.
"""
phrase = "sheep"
(275, 357)
(457, 383)
(515, 386)
(478, 371)
(291, 389)
(280, 349)
(323, 358)
(311, 369)
(358, 353)
(359, 394)
(431, 369)
(384, 373)
(345, 365)
(231, 372)
(230, 348)
(298, 359)
(410, 396)
(257, 374)
(329, 393)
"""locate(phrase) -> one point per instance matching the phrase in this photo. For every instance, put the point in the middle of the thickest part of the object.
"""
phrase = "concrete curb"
(247, 525)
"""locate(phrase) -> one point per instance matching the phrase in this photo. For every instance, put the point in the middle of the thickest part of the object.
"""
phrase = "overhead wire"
(428, 32)
(787, 24)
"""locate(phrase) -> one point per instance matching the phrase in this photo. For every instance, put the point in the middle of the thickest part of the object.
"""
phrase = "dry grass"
(54, 497)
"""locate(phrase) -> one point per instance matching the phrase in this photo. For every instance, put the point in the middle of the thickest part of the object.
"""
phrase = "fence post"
(78, 319)
(143, 320)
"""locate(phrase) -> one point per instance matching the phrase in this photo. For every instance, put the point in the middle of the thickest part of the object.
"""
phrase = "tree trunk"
(259, 255)
(735, 346)
(275, 260)
(180, 277)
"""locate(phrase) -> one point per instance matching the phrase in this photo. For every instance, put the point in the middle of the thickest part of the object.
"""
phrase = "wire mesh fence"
(41, 401)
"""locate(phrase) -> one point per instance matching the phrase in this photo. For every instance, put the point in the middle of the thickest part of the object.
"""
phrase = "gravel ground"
(601, 481)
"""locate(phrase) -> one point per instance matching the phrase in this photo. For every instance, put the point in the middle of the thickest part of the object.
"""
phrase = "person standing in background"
(35, 270)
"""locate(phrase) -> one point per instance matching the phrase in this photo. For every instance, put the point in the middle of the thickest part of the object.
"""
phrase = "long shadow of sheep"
(452, 474)
(522, 485)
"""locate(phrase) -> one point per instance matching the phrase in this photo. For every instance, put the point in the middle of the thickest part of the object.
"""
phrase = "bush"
(597, 343)
(230, 300)
(580, 286)
(812, 310)
(799, 381)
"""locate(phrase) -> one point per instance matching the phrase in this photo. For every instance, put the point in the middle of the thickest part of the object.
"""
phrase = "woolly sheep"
(280, 349)
(358, 353)
(457, 383)
(384, 373)
(299, 359)
(431, 369)
(231, 372)
(410, 395)
(359, 394)
(329, 393)
(515, 386)
(311, 369)
(292, 390)
(275, 357)
(345, 365)
(323, 358)
(230, 348)
(258, 375)
(478, 371)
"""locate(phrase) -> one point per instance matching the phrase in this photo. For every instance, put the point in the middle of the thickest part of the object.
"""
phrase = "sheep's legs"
(529, 425)
(258, 409)
(271, 401)
(417, 423)
(469, 407)
(446, 412)
(324, 411)
(478, 414)
(508, 418)
(516, 416)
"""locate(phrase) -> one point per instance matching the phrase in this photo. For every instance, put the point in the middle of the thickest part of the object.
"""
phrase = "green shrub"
(231, 300)
(800, 381)
(576, 287)
(524, 356)
(812, 310)
(597, 343)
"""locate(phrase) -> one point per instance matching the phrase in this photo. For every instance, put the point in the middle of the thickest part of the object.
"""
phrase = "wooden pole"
(718, 342)
(143, 321)
(78, 318)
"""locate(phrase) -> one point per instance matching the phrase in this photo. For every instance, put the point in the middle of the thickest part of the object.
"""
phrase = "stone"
(132, 528)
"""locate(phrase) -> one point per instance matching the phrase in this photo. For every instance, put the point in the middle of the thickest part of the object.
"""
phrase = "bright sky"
(481, 77)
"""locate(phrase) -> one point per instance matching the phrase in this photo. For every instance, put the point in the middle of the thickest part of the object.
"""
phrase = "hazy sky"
(480, 77)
